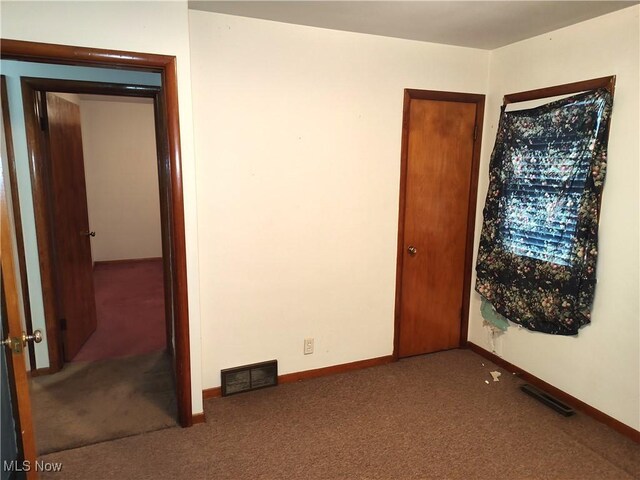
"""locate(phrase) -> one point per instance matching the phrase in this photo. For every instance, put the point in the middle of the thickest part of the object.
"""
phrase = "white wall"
(297, 134)
(121, 172)
(151, 27)
(601, 366)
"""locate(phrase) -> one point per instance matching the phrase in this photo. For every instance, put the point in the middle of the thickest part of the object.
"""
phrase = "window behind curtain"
(544, 190)
(538, 247)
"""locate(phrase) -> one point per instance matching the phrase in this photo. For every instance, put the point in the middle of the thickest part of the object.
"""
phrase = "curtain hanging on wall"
(539, 242)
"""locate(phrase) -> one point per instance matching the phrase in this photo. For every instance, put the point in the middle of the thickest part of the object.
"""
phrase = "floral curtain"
(539, 242)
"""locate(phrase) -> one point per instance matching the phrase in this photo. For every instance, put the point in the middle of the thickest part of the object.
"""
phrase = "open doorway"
(120, 225)
(101, 177)
(113, 369)
(112, 64)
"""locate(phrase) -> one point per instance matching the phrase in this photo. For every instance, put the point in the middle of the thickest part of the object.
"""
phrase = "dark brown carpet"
(90, 402)
(425, 417)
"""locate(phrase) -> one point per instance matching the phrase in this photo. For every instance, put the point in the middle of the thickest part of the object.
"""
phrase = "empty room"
(393, 240)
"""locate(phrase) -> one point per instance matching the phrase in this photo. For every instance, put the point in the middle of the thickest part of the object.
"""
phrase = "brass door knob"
(412, 250)
(16, 344)
(88, 234)
(35, 338)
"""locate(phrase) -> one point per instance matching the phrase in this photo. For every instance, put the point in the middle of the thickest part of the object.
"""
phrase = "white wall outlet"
(308, 346)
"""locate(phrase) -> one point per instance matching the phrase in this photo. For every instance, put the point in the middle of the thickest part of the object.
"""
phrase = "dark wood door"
(439, 156)
(72, 243)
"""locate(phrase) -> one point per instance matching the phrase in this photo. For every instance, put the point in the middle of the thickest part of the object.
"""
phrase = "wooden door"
(14, 374)
(439, 156)
(70, 225)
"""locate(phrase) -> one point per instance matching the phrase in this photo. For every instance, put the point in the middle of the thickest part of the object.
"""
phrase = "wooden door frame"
(479, 100)
(170, 174)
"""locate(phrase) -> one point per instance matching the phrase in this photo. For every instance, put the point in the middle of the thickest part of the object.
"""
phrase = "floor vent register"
(549, 400)
(249, 377)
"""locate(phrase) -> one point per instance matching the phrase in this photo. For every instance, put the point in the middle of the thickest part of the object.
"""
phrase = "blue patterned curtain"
(539, 243)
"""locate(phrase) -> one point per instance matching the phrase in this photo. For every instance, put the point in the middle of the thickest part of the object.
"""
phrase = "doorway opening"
(170, 173)
(100, 175)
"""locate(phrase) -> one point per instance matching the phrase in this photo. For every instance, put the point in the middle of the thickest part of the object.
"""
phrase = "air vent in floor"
(549, 400)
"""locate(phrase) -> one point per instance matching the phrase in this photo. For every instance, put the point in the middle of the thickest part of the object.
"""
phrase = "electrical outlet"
(308, 346)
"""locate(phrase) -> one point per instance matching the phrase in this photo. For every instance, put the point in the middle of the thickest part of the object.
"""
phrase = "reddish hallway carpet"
(130, 307)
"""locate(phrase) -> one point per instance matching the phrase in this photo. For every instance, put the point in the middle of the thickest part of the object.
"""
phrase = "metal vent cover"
(549, 400)
(249, 377)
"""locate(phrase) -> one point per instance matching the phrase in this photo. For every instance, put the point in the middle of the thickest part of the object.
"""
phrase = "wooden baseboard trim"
(334, 369)
(198, 418)
(587, 409)
(318, 372)
(38, 372)
(102, 263)
(214, 392)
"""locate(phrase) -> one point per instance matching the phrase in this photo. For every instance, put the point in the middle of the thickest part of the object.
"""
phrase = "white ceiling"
(477, 24)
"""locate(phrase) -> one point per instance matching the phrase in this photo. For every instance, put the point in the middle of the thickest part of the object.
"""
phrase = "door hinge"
(63, 324)
(475, 132)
